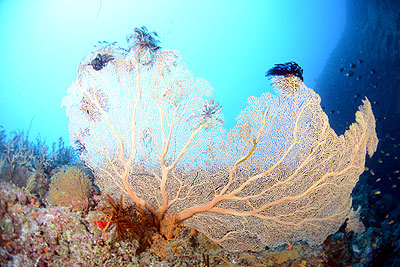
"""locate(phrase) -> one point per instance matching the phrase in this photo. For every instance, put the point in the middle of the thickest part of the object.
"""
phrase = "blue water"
(229, 43)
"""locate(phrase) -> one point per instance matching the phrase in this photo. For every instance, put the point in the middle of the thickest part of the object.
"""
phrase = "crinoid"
(121, 217)
(287, 78)
(287, 69)
(101, 61)
(131, 222)
(144, 44)
(211, 113)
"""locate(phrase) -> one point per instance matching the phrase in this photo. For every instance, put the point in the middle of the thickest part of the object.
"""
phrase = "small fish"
(391, 222)
(387, 216)
(396, 171)
(360, 61)
(353, 65)
(101, 224)
(341, 69)
(366, 169)
(350, 73)
(387, 154)
(357, 95)
(377, 192)
(393, 138)
(332, 111)
(373, 71)
(378, 180)
(380, 161)
(372, 172)
(394, 186)
(382, 151)
(373, 245)
(359, 78)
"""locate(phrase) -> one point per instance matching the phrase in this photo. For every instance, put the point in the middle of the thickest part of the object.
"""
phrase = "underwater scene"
(211, 133)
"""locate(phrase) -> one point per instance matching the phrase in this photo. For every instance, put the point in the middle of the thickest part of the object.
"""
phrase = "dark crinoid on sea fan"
(144, 44)
(100, 61)
(286, 69)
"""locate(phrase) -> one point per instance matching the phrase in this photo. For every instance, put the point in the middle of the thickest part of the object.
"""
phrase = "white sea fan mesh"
(282, 174)
(297, 183)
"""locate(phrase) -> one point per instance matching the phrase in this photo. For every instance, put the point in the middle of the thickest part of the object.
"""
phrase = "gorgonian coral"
(281, 174)
(91, 104)
(70, 187)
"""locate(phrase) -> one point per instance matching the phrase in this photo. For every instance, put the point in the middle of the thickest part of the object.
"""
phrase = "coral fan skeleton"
(281, 174)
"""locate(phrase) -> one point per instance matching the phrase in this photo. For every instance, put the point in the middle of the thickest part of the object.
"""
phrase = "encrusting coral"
(282, 174)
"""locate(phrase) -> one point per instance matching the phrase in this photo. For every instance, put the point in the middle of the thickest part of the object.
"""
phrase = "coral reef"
(56, 236)
(29, 164)
(33, 233)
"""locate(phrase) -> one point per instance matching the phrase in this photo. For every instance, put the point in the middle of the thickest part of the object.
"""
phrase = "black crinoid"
(287, 78)
(144, 44)
(101, 61)
(286, 69)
